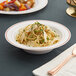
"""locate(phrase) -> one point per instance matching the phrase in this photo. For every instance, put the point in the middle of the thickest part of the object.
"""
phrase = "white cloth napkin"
(68, 70)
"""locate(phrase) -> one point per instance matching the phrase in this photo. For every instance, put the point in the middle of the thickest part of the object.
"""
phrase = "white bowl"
(39, 4)
(63, 31)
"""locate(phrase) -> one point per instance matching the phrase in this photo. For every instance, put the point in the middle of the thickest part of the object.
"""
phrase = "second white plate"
(39, 4)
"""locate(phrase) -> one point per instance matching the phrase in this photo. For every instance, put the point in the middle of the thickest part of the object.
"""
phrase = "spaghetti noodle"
(37, 35)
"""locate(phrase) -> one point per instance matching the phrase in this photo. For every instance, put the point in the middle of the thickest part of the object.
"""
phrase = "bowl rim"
(37, 48)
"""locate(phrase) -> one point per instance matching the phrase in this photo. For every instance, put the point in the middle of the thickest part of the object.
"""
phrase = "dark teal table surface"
(16, 62)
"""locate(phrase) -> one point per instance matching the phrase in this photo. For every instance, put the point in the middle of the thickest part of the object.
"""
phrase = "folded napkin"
(68, 69)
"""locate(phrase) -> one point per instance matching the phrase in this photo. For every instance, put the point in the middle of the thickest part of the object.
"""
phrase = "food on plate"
(16, 5)
(37, 35)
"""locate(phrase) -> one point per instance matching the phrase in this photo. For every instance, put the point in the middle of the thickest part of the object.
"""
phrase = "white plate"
(39, 4)
(12, 31)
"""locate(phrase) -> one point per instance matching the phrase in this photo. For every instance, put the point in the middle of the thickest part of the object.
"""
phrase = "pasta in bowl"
(37, 36)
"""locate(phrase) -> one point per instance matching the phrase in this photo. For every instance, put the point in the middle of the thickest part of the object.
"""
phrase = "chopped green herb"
(55, 35)
(37, 23)
(47, 38)
(54, 31)
(41, 30)
(51, 39)
(32, 26)
(23, 30)
(35, 31)
(43, 40)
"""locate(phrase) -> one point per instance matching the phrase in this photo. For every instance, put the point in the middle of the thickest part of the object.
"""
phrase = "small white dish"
(39, 4)
(63, 31)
